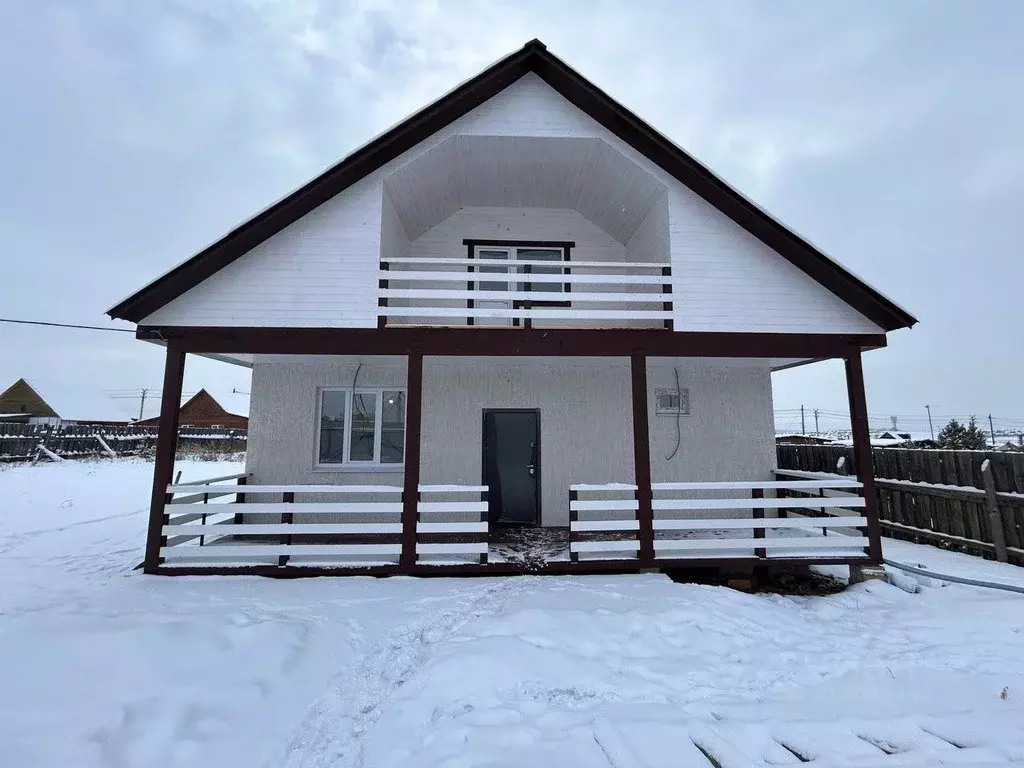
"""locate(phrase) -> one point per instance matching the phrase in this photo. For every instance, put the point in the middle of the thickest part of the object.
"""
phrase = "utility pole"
(803, 426)
(893, 420)
(930, 427)
(992, 430)
(816, 430)
(142, 402)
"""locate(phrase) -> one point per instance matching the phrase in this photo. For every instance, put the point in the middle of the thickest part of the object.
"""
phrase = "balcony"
(523, 287)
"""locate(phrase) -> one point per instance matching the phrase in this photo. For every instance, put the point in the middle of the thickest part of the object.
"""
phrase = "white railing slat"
(250, 489)
(604, 525)
(604, 505)
(431, 260)
(261, 529)
(399, 275)
(808, 503)
(465, 295)
(260, 550)
(535, 314)
(463, 527)
(763, 522)
(782, 542)
(794, 485)
(451, 506)
(311, 507)
(452, 488)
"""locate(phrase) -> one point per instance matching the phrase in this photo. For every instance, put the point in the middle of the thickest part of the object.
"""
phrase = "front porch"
(608, 504)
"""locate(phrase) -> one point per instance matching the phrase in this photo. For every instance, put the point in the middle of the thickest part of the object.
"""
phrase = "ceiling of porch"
(584, 174)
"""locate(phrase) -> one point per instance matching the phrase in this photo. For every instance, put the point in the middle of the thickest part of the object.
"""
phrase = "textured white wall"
(321, 270)
(585, 417)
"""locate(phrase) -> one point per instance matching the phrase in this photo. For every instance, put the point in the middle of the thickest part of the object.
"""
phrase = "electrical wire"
(679, 408)
(65, 325)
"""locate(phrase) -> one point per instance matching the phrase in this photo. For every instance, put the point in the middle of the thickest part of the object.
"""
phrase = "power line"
(65, 325)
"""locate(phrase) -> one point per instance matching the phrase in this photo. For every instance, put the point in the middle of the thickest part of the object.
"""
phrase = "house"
(202, 410)
(802, 440)
(521, 306)
(55, 403)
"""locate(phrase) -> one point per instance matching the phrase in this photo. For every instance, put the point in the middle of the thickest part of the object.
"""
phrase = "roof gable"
(533, 57)
(66, 401)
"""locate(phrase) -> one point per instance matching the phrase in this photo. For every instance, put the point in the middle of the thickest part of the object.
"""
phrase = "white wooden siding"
(321, 270)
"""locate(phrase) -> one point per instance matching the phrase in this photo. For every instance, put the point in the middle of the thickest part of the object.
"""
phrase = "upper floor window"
(362, 427)
(515, 265)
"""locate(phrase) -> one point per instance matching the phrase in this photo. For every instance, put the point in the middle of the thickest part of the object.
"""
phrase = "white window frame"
(346, 464)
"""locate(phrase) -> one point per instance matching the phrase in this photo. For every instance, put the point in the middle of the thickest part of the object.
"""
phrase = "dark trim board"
(502, 342)
(460, 570)
(532, 57)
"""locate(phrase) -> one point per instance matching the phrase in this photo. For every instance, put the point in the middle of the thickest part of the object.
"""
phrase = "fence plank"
(992, 506)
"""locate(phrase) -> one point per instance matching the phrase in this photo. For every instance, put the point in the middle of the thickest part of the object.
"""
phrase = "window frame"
(565, 246)
(347, 464)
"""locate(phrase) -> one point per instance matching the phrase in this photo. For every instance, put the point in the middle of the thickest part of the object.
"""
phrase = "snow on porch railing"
(450, 528)
(454, 291)
(603, 522)
(363, 527)
(719, 520)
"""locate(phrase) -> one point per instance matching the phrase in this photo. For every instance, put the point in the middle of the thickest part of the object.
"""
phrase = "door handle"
(530, 469)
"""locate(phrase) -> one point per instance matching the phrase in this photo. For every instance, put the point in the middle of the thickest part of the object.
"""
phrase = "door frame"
(537, 467)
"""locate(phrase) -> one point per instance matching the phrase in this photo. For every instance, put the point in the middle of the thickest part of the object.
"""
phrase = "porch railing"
(722, 520)
(447, 291)
(292, 525)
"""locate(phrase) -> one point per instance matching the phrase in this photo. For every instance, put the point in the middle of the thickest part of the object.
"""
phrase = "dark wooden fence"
(28, 442)
(936, 496)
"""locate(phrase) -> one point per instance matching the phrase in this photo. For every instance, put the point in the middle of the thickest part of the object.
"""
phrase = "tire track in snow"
(332, 732)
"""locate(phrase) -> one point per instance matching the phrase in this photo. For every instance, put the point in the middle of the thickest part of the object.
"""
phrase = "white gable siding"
(321, 270)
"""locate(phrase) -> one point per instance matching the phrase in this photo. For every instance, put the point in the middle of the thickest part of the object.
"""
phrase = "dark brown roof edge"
(533, 57)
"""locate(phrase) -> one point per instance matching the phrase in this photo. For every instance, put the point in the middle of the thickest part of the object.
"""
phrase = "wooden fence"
(29, 442)
(970, 501)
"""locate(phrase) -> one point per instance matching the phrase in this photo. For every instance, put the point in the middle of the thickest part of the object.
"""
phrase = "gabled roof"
(73, 402)
(532, 57)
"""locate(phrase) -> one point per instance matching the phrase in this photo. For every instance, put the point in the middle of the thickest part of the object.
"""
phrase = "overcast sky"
(888, 133)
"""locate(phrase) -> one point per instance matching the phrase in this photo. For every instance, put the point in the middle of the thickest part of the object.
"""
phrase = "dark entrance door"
(512, 465)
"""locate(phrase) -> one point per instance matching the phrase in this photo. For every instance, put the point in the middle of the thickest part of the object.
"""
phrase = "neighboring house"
(802, 439)
(45, 402)
(524, 291)
(202, 410)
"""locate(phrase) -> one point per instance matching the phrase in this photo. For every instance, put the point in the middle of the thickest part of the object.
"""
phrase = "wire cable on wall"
(679, 413)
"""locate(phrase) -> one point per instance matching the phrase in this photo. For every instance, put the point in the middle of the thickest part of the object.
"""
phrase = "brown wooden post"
(410, 488)
(240, 499)
(484, 518)
(287, 497)
(995, 519)
(862, 457)
(667, 288)
(758, 514)
(574, 515)
(642, 457)
(166, 442)
(382, 303)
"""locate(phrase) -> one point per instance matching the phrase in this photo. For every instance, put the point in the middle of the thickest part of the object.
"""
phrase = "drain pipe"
(955, 579)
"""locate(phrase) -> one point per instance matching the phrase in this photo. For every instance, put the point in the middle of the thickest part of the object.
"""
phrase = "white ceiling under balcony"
(584, 174)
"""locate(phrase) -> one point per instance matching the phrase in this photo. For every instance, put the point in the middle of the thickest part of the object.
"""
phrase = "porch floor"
(529, 546)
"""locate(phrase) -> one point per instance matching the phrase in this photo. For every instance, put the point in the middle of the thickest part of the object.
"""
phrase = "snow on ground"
(103, 666)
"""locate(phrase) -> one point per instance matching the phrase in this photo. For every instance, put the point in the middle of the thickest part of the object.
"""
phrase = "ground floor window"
(362, 427)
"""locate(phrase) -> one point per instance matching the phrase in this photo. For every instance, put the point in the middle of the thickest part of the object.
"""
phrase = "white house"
(520, 306)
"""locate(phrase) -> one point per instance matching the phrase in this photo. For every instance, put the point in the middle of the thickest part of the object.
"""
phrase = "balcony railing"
(491, 292)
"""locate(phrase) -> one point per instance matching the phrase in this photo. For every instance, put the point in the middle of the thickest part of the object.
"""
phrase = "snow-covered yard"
(100, 665)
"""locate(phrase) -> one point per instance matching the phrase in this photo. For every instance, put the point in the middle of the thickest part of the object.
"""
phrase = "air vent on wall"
(671, 402)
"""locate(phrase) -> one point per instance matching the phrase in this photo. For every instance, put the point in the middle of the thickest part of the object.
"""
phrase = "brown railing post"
(484, 519)
(667, 288)
(758, 514)
(862, 458)
(573, 517)
(382, 302)
(995, 518)
(163, 465)
(642, 458)
(202, 519)
(240, 499)
(286, 518)
(528, 303)
(410, 487)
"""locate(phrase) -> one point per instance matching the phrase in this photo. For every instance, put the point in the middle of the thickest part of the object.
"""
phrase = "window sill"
(354, 469)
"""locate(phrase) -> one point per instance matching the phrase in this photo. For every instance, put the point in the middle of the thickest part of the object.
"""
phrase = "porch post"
(862, 451)
(166, 442)
(642, 457)
(411, 486)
